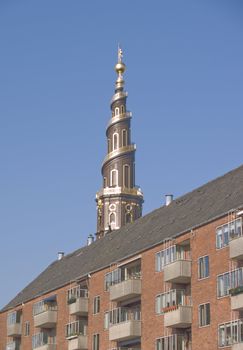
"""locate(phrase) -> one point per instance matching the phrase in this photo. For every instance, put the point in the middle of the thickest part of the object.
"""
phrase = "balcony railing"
(76, 328)
(119, 95)
(44, 341)
(236, 239)
(178, 316)
(178, 271)
(119, 151)
(171, 342)
(45, 313)
(14, 324)
(125, 324)
(127, 289)
(78, 301)
(108, 191)
(14, 330)
(118, 117)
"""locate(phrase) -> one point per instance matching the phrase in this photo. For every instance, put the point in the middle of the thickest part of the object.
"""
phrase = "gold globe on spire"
(120, 68)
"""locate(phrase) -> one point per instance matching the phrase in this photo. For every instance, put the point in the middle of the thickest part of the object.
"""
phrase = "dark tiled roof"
(204, 204)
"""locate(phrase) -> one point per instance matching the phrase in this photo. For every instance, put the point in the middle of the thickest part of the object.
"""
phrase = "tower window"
(117, 111)
(124, 137)
(109, 145)
(126, 175)
(122, 109)
(114, 177)
(115, 141)
(112, 220)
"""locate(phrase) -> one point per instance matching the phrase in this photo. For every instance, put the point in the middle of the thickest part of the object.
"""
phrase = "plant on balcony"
(72, 300)
(170, 308)
(236, 290)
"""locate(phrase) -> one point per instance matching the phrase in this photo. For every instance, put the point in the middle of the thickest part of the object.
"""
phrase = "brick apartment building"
(171, 280)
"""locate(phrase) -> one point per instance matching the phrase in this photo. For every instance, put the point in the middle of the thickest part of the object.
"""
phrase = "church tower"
(119, 201)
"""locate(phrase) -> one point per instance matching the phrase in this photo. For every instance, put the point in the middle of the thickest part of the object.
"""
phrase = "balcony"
(14, 330)
(125, 324)
(76, 333)
(178, 271)
(125, 290)
(119, 151)
(79, 307)
(178, 316)
(238, 346)
(77, 299)
(46, 319)
(236, 248)
(236, 298)
(78, 343)
(46, 347)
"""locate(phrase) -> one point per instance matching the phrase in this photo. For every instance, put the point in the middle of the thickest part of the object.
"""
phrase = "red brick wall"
(202, 242)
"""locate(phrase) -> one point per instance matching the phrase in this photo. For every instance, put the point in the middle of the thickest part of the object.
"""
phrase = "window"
(126, 176)
(204, 315)
(122, 109)
(230, 333)
(114, 177)
(170, 298)
(115, 141)
(27, 328)
(227, 232)
(106, 320)
(124, 137)
(96, 305)
(117, 111)
(96, 342)
(112, 220)
(203, 267)
(229, 280)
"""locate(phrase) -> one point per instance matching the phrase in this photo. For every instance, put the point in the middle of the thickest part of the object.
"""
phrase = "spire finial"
(120, 68)
(120, 54)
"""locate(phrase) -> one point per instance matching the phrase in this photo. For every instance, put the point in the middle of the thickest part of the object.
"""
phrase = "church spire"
(119, 201)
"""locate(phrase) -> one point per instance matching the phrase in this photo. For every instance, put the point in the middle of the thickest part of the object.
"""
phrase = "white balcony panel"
(78, 343)
(236, 248)
(178, 272)
(79, 308)
(125, 290)
(238, 346)
(179, 318)
(47, 347)
(125, 330)
(46, 319)
(14, 330)
(237, 302)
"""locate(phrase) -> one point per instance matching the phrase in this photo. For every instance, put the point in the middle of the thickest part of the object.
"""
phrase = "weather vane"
(120, 54)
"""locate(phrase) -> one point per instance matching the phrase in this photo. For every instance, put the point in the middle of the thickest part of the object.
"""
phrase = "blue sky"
(185, 82)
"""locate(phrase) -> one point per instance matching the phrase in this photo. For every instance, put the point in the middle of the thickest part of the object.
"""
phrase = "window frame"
(96, 305)
(96, 341)
(204, 267)
(200, 308)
